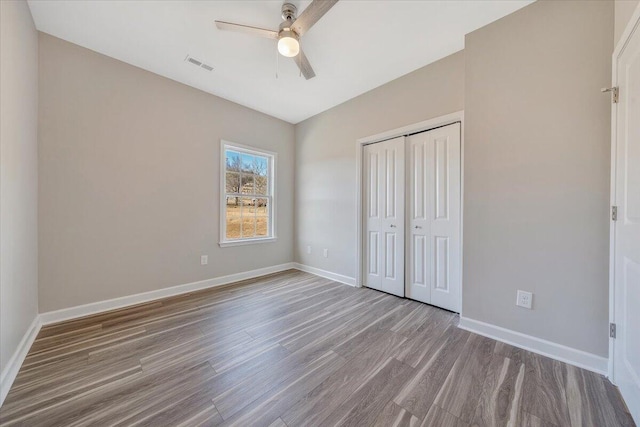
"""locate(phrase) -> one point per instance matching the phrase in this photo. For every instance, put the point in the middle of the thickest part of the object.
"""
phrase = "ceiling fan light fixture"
(288, 44)
(288, 38)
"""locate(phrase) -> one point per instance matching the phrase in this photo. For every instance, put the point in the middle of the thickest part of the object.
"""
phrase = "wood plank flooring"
(292, 349)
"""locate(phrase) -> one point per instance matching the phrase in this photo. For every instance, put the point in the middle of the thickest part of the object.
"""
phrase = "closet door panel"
(445, 218)
(418, 268)
(390, 251)
(441, 176)
(433, 259)
(441, 263)
(373, 277)
(392, 168)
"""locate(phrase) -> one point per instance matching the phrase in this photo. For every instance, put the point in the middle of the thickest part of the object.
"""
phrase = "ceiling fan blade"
(305, 67)
(312, 14)
(222, 25)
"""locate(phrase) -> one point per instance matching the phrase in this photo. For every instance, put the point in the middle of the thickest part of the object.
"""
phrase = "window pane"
(233, 161)
(262, 226)
(262, 206)
(262, 185)
(233, 217)
(262, 217)
(233, 182)
(248, 217)
(260, 166)
(247, 163)
(248, 206)
(248, 227)
(247, 183)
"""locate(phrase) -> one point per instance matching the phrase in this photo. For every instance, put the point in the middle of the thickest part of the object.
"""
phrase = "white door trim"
(447, 119)
(624, 39)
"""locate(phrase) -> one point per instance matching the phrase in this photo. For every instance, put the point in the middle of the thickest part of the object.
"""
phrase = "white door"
(434, 252)
(384, 247)
(626, 347)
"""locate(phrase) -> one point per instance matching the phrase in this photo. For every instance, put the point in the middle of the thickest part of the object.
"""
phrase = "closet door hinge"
(612, 330)
(614, 93)
(614, 213)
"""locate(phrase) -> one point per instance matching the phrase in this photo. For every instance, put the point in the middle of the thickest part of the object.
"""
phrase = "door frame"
(447, 119)
(624, 39)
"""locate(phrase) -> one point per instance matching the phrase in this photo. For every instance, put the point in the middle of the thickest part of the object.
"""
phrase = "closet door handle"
(392, 226)
(417, 227)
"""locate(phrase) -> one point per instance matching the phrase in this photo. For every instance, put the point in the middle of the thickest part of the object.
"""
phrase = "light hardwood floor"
(293, 349)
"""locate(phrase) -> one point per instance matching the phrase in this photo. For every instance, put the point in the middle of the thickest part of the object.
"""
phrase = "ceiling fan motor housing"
(289, 17)
(289, 12)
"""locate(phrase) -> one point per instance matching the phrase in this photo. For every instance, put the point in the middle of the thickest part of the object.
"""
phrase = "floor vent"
(198, 63)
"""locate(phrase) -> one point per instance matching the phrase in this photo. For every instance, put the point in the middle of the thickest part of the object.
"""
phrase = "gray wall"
(129, 179)
(326, 156)
(623, 11)
(536, 199)
(18, 175)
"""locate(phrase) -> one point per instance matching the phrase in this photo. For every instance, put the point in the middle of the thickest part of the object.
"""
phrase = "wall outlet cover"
(204, 260)
(524, 299)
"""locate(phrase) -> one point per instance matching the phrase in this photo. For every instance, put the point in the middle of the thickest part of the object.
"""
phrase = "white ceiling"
(355, 47)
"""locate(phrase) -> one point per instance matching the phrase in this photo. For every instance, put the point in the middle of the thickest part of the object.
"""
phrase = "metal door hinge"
(614, 93)
(614, 213)
(612, 330)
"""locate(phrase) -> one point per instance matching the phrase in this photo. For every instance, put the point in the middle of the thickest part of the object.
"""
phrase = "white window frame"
(245, 149)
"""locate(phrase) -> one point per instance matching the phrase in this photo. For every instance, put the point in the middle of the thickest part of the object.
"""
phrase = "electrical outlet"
(204, 260)
(524, 299)
(309, 249)
(326, 253)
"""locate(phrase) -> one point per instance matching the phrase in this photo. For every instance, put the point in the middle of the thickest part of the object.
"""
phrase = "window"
(247, 195)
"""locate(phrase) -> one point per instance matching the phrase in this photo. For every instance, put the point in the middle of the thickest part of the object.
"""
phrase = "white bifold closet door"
(384, 194)
(433, 246)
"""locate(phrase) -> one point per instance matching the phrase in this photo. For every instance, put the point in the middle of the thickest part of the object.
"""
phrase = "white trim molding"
(572, 356)
(243, 242)
(116, 303)
(9, 373)
(326, 274)
(447, 119)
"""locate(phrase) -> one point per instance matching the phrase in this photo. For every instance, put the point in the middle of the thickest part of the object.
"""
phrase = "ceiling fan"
(290, 31)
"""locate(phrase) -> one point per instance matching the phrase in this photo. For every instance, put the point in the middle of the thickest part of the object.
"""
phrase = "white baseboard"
(556, 351)
(326, 274)
(10, 371)
(572, 356)
(116, 303)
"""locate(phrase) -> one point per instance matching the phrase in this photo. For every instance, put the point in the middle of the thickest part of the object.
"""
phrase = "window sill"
(247, 242)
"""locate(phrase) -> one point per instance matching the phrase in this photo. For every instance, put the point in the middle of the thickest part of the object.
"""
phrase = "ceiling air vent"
(198, 63)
